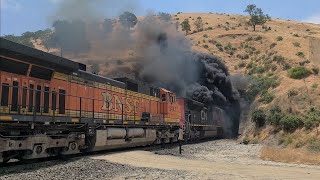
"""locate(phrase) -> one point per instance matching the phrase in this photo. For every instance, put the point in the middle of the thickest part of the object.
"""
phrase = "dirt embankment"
(223, 159)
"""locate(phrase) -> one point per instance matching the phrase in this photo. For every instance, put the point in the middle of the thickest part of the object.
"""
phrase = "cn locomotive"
(51, 106)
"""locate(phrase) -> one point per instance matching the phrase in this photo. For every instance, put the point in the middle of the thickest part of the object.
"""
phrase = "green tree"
(128, 19)
(185, 26)
(259, 117)
(24, 39)
(199, 24)
(257, 17)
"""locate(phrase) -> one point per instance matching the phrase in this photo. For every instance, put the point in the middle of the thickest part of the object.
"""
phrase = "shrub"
(210, 28)
(286, 66)
(291, 122)
(304, 62)
(258, 116)
(315, 86)
(273, 45)
(279, 38)
(241, 64)
(312, 119)
(292, 93)
(194, 31)
(177, 19)
(258, 38)
(249, 38)
(314, 145)
(261, 84)
(229, 49)
(205, 36)
(206, 46)
(274, 67)
(296, 44)
(296, 35)
(275, 115)
(266, 97)
(315, 70)
(279, 59)
(243, 56)
(298, 72)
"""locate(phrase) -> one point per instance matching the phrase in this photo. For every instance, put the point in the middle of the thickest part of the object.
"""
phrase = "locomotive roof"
(34, 56)
(100, 79)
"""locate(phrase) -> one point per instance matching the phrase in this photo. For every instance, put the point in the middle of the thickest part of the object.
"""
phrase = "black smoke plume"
(162, 56)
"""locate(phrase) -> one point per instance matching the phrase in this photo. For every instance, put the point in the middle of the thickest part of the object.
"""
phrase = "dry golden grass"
(290, 155)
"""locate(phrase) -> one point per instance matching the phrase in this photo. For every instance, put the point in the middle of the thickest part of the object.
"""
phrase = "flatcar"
(51, 106)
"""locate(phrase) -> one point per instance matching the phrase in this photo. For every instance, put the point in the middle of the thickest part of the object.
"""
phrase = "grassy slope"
(233, 29)
(237, 35)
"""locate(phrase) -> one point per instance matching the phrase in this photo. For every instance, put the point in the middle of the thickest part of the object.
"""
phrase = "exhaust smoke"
(155, 52)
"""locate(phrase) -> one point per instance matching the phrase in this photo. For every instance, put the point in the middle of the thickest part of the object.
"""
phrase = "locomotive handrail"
(81, 111)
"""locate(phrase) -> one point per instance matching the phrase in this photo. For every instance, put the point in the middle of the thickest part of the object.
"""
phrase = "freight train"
(51, 106)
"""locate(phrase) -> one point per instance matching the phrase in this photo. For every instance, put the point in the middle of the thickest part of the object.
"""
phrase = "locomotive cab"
(170, 107)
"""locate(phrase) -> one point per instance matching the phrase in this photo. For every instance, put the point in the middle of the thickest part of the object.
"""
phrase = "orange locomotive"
(52, 106)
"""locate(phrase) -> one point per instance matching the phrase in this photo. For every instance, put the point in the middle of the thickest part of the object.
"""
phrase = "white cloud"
(313, 19)
(12, 5)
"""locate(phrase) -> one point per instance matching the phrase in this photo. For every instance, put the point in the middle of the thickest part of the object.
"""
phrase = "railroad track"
(81, 155)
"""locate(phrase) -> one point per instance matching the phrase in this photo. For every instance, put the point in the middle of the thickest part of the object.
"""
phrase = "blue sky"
(18, 16)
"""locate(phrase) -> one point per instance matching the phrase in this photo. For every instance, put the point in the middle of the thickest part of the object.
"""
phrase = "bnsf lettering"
(115, 103)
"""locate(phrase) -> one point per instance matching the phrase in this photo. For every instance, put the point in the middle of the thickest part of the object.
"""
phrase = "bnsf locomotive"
(51, 106)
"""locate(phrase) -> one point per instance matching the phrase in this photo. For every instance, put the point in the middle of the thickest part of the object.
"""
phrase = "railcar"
(51, 106)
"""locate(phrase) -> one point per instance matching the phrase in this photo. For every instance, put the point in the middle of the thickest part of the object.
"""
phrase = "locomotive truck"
(51, 106)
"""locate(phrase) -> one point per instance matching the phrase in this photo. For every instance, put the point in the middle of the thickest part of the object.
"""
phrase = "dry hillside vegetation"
(286, 82)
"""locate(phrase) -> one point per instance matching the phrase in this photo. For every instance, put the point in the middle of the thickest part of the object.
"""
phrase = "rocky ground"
(222, 159)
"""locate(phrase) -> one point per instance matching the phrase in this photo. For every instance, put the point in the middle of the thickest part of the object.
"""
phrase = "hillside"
(280, 60)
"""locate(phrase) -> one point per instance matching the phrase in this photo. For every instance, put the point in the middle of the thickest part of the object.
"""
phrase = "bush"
(315, 70)
(258, 38)
(314, 145)
(300, 54)
(241, 64)
(258, 116)
(279, 38)
(292, 93)
(296, 44)
(291, 122)
(243, 56)
(260, 84)
(266, 97)
(210, 28)
(315, 86)
(205, 36)
(296, 35)
(273, 45)
(279, 59)
(250, 38)
(312, 119)
(286, 66)
(298, 72)
(275, 115)
(206, 46)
